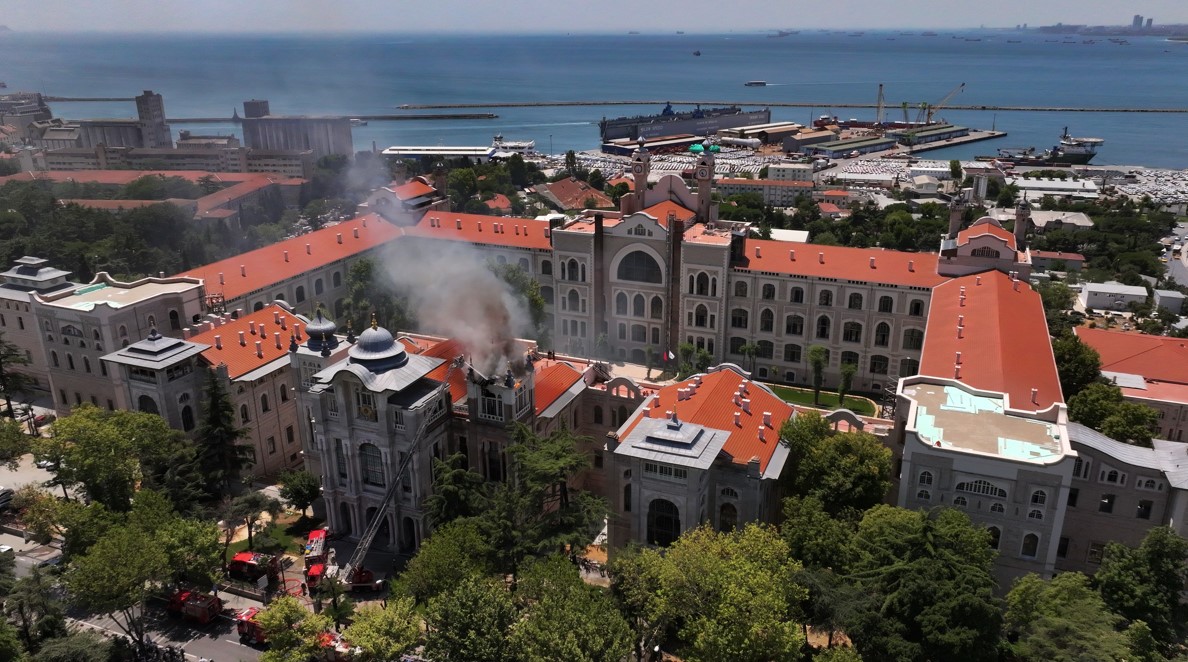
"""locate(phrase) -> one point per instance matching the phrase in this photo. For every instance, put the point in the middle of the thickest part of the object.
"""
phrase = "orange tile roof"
(265, 267)
(479, 229)
(712, 406)
(573, 194)
(981, 229)
(836, 193)
(828, 208)
(629, 181)
(413, 189)
(448, 350)
(498, 201)
(1059, 255)
(242, 359)
(1160, 358)
(123, 177)
(661, 210)
(699, 234)
(891, 267)
(1159, 391)
(551, 382)
(1004, 340)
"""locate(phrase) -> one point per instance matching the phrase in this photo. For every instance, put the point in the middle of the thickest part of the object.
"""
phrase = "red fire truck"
(251, 566)
(315, 547)
(334, 647)
(194, 606)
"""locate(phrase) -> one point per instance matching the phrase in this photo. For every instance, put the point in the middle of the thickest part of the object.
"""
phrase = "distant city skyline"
(532, 16)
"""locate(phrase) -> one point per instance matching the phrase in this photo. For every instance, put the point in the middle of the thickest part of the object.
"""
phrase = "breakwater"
(779, 104)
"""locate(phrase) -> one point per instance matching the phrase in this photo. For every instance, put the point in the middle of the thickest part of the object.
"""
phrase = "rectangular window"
(340, 460)
(597, 459)
(1073, 493)
(1062, 549)
(405, 481)
(365, 405)
(1096, 549)
(1107, 503)
(398, 419)
(666, 472)
(289, 436)
(490, 407)
(1144, 509)
(271, 445)
(21, 323)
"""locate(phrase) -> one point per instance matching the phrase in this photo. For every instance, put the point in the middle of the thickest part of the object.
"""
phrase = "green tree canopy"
(1146, 583)
(221, 456)
(1079, 365)
(455, 551)
(1062, 620)
(471, 622)
(117, 575)
(846, 470)
(292, 631)
(300, 488)
(385, 633)
(457, 491)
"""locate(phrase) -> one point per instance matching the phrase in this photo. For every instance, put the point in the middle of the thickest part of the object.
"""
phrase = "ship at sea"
(699, 122)
(1070, 151)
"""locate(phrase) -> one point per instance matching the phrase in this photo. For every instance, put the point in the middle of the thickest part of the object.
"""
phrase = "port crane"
(930, 110)
(880, 107)
(355, 563)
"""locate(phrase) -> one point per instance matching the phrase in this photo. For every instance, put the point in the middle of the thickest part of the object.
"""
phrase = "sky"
(557, 16)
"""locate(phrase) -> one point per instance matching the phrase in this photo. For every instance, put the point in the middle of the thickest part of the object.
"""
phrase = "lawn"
(856, 404)
(287, 536)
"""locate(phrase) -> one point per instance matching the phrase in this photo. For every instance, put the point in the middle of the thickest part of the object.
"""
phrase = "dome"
(696, 149)
(320, 328)
(377, 350)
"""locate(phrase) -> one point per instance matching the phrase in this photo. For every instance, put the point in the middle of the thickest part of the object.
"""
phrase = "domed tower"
(704, 175)
(377, 351)
(320, 332)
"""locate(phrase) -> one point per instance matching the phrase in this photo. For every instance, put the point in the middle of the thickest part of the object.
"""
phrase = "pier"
(365, 118)
(779, 104)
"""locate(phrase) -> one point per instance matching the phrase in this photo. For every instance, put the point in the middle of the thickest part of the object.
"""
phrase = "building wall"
(1098, 300)
(273, 432)
(324, 136)
(18, 325)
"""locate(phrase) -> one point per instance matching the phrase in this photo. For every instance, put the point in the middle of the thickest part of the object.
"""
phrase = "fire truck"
(194, 606)
(248, 627)
(315, 547)
(251, 566)
(334, 647)
(361, 579)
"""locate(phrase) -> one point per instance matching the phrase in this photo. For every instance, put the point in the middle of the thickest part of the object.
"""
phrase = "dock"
(366, 118)
(778, 104)
(974, 136)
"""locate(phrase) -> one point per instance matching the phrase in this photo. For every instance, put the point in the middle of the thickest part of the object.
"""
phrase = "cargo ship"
(699, 122)
(1070, 151)
(756, 83)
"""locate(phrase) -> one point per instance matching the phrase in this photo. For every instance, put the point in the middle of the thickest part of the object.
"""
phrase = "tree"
(116, 577)
(249, 508)
(10, 644)
(300, 489)
(35, 610)
(455, 551)
(1079, 365)
(80, 646)
(749, 350)
(814, 537)
(1062, 619)
(1144, 583)
(457, 491)
(817, 356)
(470, 623)
(955, 169)
(1094, 403)
(12, 382)
(221, 457)
(846, 470)
(192, 549)
(1132, 423)
(847, 379)
(385, 633)
(565, 618)
(636, 586)
(292, 631)
(341, 608)
(927, 575)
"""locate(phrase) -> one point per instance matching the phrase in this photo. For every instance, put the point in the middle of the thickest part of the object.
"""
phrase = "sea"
(203, 75)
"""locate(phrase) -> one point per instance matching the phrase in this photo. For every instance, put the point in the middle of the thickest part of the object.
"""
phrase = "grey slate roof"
(1173, 455)
(396, 379)
(688, 445)
(1130, 454)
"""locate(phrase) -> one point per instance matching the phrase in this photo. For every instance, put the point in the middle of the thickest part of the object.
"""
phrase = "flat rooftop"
(120, 294)
(951, 417)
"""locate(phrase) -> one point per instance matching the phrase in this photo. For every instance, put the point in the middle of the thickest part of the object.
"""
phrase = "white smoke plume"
(453, 293)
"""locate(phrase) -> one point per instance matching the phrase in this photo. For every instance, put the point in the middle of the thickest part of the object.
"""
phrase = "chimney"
(252, 326)
(977, 280)
(479, 225)
(956, 372)
(746, 405)
(821, 258)
(1016, 286)
(242, 270)
(339, 236)
(297, 332)
(960, 332)
(221, 279)
(365, 221)
(792, 255)
(284, 322)
(761, 436)
(457, 224)
(958, 358)
(757, 253)
(742, 387)
(242, 339)
(219, 345)
(276, 335)
(737, 400)
(356, 233)
(738, 419)
(1035, 396)
(961, 320)
(286, 256)
(911, 265)
(767, 418)
(259, 349)
(160, 274)
(872, 265)
(276, 317)
(962, 300)
(308, 250)
(517, 230)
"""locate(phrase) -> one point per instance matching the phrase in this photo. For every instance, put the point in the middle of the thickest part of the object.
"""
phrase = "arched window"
(174, 320)
(572, 270)
(371, 464)
(336, 279)
(714, 286)
(850, 358)
(300, 293)
(995, 536)
(546, 267)
(1035, 513)
(855, 302)
(1039, 498)
(700, 316)
(657, 308)
(764, 349)
(243, 414)
(546, 293)
(916, 308)
(54, 359)
(852, 332)
(627, 498)
(794, 325)
(960, 501)
(264, 403)
(620, 304)
(997, 508)
(886, 305)
(729, 493)
(823, 327)
(768, 291)
(913, 339)
(1030, 546)
(792, 353)
(879, 365)
(597, 415)
(738, 318)
(740, 289)
(319, 286)
(95, 335)
(882, 334)
(766, 320)
(825, 298)
(703, 285)
(522, 263)
(982, 487)
(984, 251)
(260, 306)
(1111, 476)
(70, 361)
(147, 405)
(187, 417)
(664, 523)
(908, 367)
(924, 495)
(640, 267)
(152, 321)
(925, 478)
(87, 365)
(727, 517)
(637, 306)
(797, 295)
(736, 344)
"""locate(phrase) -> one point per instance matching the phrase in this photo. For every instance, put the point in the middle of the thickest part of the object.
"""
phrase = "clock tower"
(641, 167)
(703, 173)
